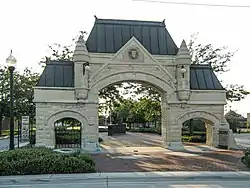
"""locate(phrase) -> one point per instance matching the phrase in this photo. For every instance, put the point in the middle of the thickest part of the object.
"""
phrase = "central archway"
(165, 87)
(161, 84)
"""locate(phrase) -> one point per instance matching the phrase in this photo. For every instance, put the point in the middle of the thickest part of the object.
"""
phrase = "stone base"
(43, 145)
(231, 141)
(91, 147)
(175, 146)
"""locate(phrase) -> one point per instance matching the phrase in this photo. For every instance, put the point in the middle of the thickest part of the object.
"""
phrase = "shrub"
(147, 130)
(43, 161)
(196, 139)
(246, 158)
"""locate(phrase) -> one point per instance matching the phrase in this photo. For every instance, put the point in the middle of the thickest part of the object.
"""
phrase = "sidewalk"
(241, 175)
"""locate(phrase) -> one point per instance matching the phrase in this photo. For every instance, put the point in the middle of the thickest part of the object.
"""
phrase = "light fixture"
(11, 60)
(87, 67)
(183, 70)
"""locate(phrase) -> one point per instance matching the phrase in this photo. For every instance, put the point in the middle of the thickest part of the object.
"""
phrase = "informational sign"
(25, 128)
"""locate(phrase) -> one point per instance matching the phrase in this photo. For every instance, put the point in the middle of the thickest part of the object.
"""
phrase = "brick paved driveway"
(160, 161)
(142, 152)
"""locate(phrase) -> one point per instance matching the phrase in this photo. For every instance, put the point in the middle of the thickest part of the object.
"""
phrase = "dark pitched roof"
(202, 77)
(57, 74)
(108, 36)
(61, 74)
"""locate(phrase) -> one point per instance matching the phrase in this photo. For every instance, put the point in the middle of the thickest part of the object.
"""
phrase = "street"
(243, 139)
(133, 182)
(4, 143)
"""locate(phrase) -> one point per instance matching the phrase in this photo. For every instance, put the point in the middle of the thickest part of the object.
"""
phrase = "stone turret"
(81, 67)
(183, 62)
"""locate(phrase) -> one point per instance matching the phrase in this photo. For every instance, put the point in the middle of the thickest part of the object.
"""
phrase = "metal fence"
(68, 137)
(116, 129)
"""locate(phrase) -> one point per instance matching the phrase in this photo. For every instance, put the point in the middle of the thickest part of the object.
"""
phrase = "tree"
(22, 93)
(141, 111)
(218, 58)
(234, 119)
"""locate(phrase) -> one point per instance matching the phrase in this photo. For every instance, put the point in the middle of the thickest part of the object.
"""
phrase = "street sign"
(25, 128)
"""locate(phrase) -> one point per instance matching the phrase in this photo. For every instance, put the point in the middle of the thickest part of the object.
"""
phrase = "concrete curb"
(6, 137)
(134, 175)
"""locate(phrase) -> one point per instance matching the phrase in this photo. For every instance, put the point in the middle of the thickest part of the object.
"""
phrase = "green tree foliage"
(235, 120)
(23, 93)
(132, 111)
(218, 58)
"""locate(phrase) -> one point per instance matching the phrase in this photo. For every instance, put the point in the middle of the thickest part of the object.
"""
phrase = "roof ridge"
(201, 66)
(130, 22)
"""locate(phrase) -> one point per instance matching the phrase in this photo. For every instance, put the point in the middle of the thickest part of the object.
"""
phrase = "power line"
(194, 4)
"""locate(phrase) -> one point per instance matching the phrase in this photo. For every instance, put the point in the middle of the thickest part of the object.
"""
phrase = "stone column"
(164, 119)
(215, 132)
(174, 137)
(209, 134)
(171, 131)
(44, 131)
(91, 133)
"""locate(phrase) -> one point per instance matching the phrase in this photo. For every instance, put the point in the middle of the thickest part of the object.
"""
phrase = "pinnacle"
(183, 50)
(81, 52)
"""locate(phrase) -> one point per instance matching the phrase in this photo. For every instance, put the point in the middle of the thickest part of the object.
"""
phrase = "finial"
(164, 22)
(81, 52)
(82, 34)
(95, 18)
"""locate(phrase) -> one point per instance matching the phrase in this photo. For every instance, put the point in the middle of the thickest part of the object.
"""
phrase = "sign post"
(248, 120)
(25, 128)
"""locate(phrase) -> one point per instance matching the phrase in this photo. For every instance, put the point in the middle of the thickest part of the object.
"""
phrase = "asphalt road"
(243, 139)
(4, 143)
(138, 183)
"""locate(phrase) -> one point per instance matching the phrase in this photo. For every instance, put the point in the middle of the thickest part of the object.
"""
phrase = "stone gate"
(129, 50)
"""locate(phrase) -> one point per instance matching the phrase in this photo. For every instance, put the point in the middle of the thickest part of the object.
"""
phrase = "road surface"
(132, 182)
(4, 143)
(243, 139)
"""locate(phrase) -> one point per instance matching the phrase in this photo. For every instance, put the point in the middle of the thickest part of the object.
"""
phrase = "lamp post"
(11, 62)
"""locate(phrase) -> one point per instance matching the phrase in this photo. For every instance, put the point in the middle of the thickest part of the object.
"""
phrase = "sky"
(28, 27)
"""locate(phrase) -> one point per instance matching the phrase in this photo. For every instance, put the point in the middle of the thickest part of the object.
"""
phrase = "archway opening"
(130, 114)
(67, 133)
(198, 131)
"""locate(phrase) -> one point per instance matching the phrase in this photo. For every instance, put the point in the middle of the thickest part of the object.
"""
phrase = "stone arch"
(212, 124)
(207, 116)
(66, 114)
(141, 76)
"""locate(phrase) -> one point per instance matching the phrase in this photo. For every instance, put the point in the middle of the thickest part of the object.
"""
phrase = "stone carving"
(81, 93)
(133, 53)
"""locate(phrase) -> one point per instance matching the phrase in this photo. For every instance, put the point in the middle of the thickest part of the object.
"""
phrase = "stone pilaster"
(164, 119)
(81, 67)
(183, 62)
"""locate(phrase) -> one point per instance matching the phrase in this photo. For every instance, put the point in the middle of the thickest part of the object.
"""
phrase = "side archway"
(206, 116)
(211, 121)
(66, 114)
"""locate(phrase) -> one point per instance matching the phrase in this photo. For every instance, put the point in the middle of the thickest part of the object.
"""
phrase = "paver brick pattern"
(130, 156)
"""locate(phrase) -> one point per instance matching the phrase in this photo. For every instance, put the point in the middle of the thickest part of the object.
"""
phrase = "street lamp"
(11, 62)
